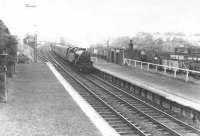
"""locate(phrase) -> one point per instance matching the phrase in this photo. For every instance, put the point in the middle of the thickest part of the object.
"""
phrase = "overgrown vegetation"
(8, 42)
(160, 42)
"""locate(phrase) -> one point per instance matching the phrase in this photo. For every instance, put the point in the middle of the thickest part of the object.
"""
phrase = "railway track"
(41, 56)
(115, 119)
(145, 110)
(124, 112)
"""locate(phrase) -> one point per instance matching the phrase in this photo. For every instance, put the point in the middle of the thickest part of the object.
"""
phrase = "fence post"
(141, 65)
(165, 70)
(125, 61)
(175, 73)
(148, 66)
(135, 63)
(156, 68)
(187, 73)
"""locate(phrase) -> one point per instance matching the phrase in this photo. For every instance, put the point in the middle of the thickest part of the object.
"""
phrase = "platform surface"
(187, 94)
(38, 105)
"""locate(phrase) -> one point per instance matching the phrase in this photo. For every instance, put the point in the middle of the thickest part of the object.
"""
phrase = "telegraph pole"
(107, 55)
(35, 48)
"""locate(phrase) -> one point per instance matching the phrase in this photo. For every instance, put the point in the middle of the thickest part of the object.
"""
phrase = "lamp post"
(35, 49)
(27, 5)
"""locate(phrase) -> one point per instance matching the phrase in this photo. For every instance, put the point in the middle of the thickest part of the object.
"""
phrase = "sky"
(85, 22)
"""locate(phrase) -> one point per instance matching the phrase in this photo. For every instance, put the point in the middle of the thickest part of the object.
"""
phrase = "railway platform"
(175, 93)
(38, 105)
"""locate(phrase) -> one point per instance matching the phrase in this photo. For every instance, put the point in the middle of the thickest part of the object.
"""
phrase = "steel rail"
(154, 121)
(91, 92)
(151, 118)
(151, 106)
(135, 108)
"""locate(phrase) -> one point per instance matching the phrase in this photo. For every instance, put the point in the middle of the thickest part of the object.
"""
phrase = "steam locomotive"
(78, 57)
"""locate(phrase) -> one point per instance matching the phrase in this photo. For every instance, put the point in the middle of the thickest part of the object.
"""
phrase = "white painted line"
(99, 122)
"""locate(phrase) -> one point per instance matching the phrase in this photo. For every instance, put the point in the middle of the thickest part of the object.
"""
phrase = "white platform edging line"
(99, 122)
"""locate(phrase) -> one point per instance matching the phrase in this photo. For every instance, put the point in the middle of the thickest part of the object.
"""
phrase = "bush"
(8, 42)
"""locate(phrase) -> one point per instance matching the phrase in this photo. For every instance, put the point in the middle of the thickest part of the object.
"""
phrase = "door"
(112, 56)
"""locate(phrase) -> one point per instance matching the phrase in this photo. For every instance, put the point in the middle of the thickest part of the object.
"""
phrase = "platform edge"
(104, 128)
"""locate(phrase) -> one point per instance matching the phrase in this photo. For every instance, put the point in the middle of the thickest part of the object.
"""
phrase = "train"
(78, 57)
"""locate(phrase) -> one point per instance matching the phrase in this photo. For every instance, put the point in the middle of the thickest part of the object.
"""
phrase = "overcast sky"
(90, 21)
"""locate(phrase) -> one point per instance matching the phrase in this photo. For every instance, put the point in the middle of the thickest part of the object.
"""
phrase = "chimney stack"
(131, 45)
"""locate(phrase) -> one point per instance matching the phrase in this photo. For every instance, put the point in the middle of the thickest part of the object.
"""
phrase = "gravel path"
(39, 106)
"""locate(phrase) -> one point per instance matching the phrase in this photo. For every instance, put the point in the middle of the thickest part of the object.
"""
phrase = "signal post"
(35, 48)
(31, 41)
